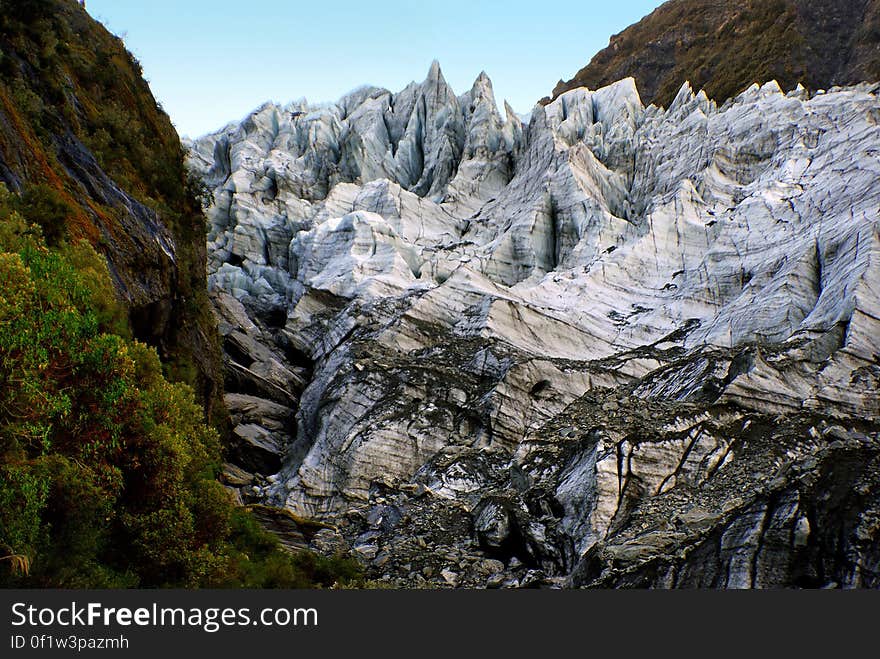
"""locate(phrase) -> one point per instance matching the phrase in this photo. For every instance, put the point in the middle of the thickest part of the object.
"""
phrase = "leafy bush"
(46, 207)
(107, 470)
(261, 563)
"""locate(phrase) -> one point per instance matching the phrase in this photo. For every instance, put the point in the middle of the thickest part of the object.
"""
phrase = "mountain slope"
(82, 137)
(723, 46)
(107, 469)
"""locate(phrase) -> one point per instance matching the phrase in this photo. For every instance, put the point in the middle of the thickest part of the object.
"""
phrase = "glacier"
(619, 345)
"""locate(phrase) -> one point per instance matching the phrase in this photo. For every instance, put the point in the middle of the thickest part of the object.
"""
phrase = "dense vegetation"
(107, 471)
(723, 46)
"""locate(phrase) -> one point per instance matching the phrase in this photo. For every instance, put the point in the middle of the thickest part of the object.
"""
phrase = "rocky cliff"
(724, 46)
(617, 346)
(84, 143)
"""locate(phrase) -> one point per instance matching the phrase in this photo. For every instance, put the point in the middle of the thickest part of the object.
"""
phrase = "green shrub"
(47, 208)
(260, 562)
(23, 498)
(107, 470)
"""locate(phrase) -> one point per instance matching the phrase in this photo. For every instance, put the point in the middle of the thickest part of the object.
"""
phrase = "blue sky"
(209, 63)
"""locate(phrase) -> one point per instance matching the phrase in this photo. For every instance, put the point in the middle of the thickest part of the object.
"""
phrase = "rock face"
(726, 45)
(620, 346)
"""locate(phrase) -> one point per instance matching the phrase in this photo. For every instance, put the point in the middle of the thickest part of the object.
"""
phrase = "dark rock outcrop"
(724, 46)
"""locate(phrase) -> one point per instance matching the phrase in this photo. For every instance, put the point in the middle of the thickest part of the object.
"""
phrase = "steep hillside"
(85, 144)
(726, 45)
(108, 470)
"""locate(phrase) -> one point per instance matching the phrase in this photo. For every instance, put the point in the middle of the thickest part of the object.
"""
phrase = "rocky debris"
(815, 523)
(753, 522)
(428, 543)
(330, 543)
(235, 476)
(578, 348)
